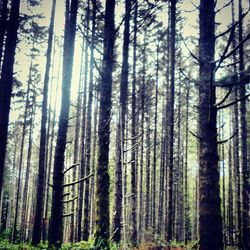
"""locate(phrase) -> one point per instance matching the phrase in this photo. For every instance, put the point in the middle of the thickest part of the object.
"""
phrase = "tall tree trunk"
(6, 82)
(244, 134)
(37, 230)
(171, 121)
(133, 135)
(27, 176)
(26, 107)
(155, 144)
(56, 225)
(121, 127)
(102, 184)
(3, 25)
(86, 229)
(210, 221)
(83, 135)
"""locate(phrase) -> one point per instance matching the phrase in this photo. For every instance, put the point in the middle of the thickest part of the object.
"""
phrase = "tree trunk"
(37, 230)
(86, 228)
(244, 134)
(102, 185)
(133, 135)
(6, 82)
(121, 127)
(171, 121)
(210, 221)
(56, 225)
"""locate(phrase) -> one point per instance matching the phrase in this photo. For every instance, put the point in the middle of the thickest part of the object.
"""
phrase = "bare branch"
(68, 215)
(78, 181)
(234, 102)
(72, 166)
(70, 200)
(224, 141)
(225, 98)
(196, 136)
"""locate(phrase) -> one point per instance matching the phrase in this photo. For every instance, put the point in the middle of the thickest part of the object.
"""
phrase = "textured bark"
(27, 178)
(6, 82)
(82, 168)
(155, 144)
(142, 107)
(133, 135)
(121, 128)
(210, 221)
(244, 134)
(89, 130)
(37, 230)
(102, 185)
(148, 162)
(3, 26)
(170, 220)
(56, 224)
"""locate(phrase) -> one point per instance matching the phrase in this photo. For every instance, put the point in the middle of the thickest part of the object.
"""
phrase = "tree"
(102, 185)
(56, 225)
(210, 221)
(6, 82)
(41, 169)
(120, 131)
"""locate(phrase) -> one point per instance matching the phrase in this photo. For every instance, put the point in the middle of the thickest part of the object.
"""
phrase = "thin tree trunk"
(102, 185)
(121, 128)
(133, 135)
(37, 230)
(171, 121)
(56, 225)
(86, 228)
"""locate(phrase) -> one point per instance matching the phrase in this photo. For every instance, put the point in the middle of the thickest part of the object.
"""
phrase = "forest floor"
(5, 245)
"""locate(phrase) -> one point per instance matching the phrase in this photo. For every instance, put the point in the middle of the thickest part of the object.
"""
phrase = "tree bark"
(102, 185)
(6, 82)
(3, 25)
(121, 128)
(56, 225)
(37, 230)
(210, 221)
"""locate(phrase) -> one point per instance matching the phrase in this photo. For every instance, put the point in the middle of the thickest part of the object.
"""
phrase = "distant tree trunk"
(171, 122)
(133, 135)
(244, 134)
(121, 127)
(26, 107)
(83, 135)
(230, 198)
(209, 190)
(37, 230)
(56, 224)
(6, 82)
(3, 25)
(86, 229)
(142, 108)
(148, 162)
(187, 225)
(102, 184)
(27, 176)
(155, 144)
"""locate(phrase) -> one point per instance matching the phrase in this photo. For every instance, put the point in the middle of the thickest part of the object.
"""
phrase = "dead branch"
(78, 181)
(234, 102)
(72, 166)
(68, 215)
(66, 194)
(70, 200)
(225, 98)
(224, 141)
(193, 134)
